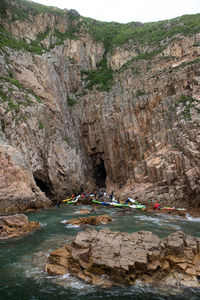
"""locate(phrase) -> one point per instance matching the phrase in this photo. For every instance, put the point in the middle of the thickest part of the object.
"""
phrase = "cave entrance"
(44, 187)
(100, 174)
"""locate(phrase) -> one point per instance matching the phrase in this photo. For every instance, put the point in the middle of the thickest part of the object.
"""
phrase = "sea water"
(22, 261)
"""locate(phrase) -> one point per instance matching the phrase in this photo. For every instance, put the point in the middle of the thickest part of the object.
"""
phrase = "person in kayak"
(156, 206)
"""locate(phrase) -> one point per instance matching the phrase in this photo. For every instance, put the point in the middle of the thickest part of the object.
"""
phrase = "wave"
(72, 226)
(192, 219)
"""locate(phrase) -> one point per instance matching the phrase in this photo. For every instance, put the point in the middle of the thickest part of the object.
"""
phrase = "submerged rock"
(83, 211)
(93, 220)
(116, 258)
(16, 226)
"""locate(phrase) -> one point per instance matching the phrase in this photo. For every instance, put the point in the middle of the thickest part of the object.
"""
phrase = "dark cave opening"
(44, 187)
(100, 174)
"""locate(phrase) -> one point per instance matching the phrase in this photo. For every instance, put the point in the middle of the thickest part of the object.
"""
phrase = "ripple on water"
(156, 220)
(43, 223)
(29, 266)
(33, 265)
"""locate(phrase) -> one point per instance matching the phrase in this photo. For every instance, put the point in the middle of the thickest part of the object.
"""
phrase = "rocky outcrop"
(18, 190)
(16, 226)
(112, 258)
(93, 220)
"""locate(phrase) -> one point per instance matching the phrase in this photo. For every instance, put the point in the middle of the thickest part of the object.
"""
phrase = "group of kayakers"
(102, 198)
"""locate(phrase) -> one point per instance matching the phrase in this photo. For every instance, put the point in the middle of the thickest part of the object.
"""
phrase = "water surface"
(22, 261)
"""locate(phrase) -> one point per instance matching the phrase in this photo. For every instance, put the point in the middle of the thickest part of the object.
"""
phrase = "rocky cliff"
(86, 103)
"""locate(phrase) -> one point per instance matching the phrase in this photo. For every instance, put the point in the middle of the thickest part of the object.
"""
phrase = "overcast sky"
(125, 11)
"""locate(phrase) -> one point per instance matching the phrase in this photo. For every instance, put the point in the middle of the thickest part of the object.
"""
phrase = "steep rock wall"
(141, 138)
(147, 137)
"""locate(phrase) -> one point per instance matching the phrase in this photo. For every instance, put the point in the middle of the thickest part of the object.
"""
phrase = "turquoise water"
(22, 261)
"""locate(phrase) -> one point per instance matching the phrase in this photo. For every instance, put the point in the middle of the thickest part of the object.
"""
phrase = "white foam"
(43, 224)
(63, 222)
(72, 226)
(191, 219)
(152, 219)
(65, 276)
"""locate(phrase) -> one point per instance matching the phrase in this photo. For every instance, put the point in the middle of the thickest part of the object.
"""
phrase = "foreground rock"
(113, 258)
(15, 226)
(93, 220)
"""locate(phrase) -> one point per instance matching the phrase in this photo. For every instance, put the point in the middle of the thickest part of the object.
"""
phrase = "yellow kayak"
(68, 199)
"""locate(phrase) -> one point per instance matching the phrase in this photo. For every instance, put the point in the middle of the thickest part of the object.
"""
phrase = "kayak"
(116, 204)
(108, 203)
(71, 202)
(96, 201)
(133, 201)
(101, 202)
(66, 200)
(168, 208)
(140, 206)
(172, 208)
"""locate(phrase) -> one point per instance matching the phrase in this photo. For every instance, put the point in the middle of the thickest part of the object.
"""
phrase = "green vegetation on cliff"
(188, 103)
(71, 102)
(21, 9)
(7, 95)
(102, 76)
(157, 35)
(114, 34)
(7, 40)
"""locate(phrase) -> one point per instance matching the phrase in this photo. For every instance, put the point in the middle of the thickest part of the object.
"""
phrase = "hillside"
(86, 104)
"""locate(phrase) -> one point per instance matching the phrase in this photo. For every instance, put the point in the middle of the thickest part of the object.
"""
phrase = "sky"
(124, 11)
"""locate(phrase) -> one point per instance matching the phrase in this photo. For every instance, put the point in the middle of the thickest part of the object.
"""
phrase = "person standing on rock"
(111, 195)
(58, 202)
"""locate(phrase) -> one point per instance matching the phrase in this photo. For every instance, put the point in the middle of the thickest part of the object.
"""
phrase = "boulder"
(116, 258)
(93, 220)
(16, 226)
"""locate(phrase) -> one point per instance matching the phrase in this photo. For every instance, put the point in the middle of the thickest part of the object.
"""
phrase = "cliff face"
(81, 113)
(144, 131)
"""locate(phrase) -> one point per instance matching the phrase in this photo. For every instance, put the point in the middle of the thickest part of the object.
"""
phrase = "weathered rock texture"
(140, 138)
(152, 145)
(93, 220)
(16, 226)
(111, 258)
(18, 190)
